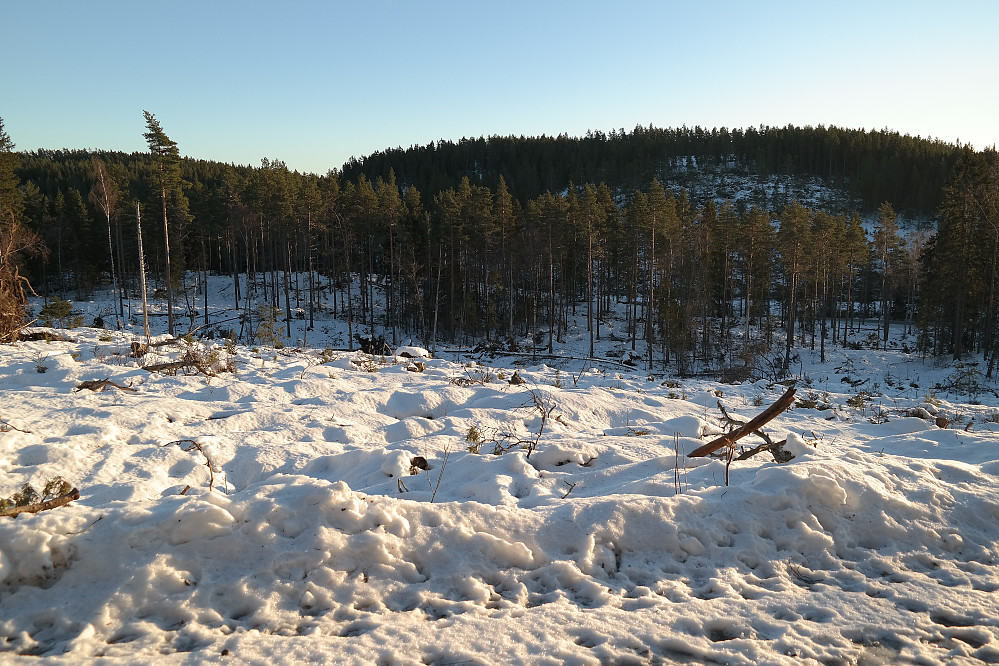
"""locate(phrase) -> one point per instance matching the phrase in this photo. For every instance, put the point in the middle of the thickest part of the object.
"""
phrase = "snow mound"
(352, 512)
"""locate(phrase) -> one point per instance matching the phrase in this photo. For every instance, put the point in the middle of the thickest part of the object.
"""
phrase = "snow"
(317, 542)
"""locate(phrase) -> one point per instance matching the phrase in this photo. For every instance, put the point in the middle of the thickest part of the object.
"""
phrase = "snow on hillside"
(323, 539)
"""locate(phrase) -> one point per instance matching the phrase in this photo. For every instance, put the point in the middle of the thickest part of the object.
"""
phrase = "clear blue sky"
(314, 83)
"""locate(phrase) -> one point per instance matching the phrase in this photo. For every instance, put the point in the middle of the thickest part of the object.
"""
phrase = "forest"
(494, 240)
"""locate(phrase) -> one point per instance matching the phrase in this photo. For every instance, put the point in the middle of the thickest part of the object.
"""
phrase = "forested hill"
(503, 238)
(870, 167)
(858, 169)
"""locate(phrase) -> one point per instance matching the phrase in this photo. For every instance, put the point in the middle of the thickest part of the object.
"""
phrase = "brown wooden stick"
(758, 422)
(6, 427)
(98, 385)
(74, 494)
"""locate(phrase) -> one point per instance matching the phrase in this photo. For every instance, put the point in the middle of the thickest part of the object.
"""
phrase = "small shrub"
(967, 379)
(59, 311)
(474, 437)
(267, 332)
(814, 400)
(373, 345)
(859, 401)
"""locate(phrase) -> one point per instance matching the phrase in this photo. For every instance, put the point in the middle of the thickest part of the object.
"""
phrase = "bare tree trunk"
(142, 273)
(166, 248)
(287, 289)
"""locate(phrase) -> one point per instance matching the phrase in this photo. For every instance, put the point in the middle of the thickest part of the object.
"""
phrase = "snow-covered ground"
(322, 539)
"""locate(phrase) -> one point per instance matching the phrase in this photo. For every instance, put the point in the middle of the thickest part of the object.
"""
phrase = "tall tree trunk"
(287, 287)
(142, 274)
(166, 250)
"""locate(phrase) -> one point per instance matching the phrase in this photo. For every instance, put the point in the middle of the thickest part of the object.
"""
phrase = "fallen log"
(46, 335)
(758, 422)
(184, 364)
(13, 511)
(171, 365)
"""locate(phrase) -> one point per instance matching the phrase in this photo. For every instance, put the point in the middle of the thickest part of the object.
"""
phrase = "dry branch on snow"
(761, 419)
(62, 500)
(98, 385)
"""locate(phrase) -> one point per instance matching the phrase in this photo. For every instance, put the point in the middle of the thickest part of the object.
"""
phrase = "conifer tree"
(504, 215)
(15, 241)
(167, 159)
(78, 223)
(889, 249)
(757, 238)
(792, 239)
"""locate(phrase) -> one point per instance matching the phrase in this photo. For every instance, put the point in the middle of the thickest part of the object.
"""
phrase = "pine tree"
(757, 239)
(889, 249)
(11, 203)
(15, 241)
(167, 159)
(389, 216)
(792, 239)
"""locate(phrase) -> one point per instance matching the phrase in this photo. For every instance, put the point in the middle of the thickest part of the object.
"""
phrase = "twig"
(88, 526)
(440, 475)
(728, 419)
(677, 486)
(192, 445)
(571, 486)
(545, 406)
(6, 427)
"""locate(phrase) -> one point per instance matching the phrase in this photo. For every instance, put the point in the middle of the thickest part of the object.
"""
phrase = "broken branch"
(761, 419)
(74, 494)
(98, 385)
(776, 449)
